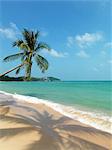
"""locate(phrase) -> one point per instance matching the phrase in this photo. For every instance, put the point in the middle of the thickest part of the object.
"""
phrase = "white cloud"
(14, 26)
(58, 54)
(70, 41)
(88, 39)
(84, 40)
(54, 53)
(108, 45)
(82, 54)
(10, 32)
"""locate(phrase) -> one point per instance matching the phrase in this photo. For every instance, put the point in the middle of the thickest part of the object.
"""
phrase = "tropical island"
(43, 79)
(43, 40)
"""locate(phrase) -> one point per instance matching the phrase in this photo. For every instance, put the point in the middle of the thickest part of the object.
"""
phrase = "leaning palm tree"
(30, 48)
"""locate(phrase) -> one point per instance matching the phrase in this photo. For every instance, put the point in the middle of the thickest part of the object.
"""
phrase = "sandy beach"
(31, 126)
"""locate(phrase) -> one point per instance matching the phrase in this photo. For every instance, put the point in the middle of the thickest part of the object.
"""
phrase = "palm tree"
(30, 48)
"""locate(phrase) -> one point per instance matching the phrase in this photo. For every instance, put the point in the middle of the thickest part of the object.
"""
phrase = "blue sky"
(79, 33)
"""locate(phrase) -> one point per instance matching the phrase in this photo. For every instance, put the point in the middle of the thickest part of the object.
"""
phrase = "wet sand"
(31, 126)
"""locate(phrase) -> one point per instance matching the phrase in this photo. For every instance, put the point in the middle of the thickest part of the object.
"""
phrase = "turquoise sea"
(91, 100)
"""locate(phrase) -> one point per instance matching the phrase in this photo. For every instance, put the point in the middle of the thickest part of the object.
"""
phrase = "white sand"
(29, 126)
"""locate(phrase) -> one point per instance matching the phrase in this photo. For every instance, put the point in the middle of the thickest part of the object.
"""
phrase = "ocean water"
(89, 102)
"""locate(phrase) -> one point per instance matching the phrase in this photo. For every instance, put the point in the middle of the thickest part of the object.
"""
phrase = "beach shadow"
(7, 103)
(55, 133)
(5, 106)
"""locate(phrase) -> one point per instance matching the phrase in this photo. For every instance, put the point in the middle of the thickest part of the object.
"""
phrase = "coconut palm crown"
(30, 48)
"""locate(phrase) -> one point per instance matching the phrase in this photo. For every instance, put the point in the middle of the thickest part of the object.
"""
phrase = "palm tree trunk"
(28, 72)
(11, 70)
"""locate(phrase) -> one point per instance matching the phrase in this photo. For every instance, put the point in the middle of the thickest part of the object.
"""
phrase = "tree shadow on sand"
(55, 133)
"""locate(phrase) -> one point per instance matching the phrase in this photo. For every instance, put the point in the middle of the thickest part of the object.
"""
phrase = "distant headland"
(44, 79)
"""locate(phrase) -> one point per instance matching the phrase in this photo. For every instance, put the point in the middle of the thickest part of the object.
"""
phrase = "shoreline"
(68, 111)
(95, 120)
(45, 128)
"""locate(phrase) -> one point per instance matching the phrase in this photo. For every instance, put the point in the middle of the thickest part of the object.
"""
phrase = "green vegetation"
(7, 78)
(30, 48)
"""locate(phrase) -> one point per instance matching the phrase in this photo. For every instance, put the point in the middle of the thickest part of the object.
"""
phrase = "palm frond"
(21, 44)
(13, 57)
(23, 57)
(17, 43)
(26, 33)
(30, 48)
(24, 46)
(29, 37)
(37, 34)
(19, 69)
(43, 45)
(42, 62)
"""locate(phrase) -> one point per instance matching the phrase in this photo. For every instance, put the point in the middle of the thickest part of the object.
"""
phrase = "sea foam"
(94, 119)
